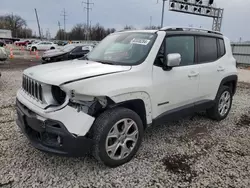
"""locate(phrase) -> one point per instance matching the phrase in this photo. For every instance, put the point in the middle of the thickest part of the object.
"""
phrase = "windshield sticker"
(140, 41)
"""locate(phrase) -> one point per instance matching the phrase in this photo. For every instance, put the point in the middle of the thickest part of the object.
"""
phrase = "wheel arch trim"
(231, 78)
(135, 96)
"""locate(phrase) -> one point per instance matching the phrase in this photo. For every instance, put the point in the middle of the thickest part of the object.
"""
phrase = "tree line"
(97, 32)
(81, 32)
(16, 24)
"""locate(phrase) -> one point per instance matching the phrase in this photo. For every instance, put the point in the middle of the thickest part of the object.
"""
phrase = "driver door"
(175, 90)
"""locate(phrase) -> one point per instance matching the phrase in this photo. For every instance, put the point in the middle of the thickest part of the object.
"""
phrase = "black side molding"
(181, 112)
(232, 78)
(174, 114)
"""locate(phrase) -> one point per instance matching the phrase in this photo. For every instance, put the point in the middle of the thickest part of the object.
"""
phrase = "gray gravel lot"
(194, 152)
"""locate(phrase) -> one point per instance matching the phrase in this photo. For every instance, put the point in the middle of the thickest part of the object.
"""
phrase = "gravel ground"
(194, 152)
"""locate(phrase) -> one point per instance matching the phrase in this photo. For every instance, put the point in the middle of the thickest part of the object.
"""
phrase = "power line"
(64, 21)
(87, 8)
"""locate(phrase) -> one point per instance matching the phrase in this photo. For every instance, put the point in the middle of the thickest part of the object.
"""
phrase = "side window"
(222, 49)
(207, 49)
(184, 45)
(77, 49)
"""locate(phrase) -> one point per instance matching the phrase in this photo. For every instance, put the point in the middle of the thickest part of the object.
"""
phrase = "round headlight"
(58, 94)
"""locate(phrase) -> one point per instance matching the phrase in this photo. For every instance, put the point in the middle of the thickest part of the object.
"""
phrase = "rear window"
(207, 49)
(222, 49)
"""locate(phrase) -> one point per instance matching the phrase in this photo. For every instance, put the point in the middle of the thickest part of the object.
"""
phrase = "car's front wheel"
(117, 134)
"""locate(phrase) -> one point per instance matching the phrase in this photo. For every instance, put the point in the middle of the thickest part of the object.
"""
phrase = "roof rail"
(189, 29)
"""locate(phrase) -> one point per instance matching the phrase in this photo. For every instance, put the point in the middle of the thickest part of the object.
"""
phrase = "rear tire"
(34, 49)
(52, 48)
(117, 135)
(222, 106)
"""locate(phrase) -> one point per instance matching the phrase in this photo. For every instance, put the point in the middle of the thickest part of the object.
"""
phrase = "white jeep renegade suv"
(103, 103)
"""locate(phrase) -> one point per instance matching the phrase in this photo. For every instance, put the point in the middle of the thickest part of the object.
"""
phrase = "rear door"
(211, 51)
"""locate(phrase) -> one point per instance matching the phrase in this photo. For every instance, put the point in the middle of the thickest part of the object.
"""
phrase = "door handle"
(220, 68)
(193, 74)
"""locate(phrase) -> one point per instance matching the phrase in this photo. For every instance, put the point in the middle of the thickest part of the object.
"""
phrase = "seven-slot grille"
(33, 88)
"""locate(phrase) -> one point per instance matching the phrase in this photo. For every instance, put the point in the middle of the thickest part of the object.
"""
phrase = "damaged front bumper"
(61, 132)
(50, 135)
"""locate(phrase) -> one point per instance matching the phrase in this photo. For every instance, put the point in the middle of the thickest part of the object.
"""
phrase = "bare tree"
(15, 23)
(79, 32)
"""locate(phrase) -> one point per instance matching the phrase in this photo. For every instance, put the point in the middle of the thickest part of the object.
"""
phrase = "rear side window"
(207, 49)
(78, 49)
(184, 45)
(222, 49)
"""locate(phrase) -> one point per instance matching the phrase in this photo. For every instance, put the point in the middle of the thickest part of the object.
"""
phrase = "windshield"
(68, 47)
(127, 48)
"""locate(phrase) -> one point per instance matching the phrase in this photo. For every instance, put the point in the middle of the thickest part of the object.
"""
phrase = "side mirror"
(173, 60)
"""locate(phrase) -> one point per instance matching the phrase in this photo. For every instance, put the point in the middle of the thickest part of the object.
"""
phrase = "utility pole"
(41, 33)
(59, 25)
(48, 34)
(150, 22)
(162, 13)
(25, 32)
(38, 24)
(64, 22)
(88, 8)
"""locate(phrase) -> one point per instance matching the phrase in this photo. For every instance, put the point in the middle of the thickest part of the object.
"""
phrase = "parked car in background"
(3, 54)
(43, 45)
(7, 41)
(70, 51)
(2, 43)
(22, 43)
(61, 43)
(75, 42)
(59, 48)
(28, 47)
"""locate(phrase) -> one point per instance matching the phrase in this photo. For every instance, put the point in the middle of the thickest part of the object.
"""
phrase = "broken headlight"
(58, 94)
(89, 107)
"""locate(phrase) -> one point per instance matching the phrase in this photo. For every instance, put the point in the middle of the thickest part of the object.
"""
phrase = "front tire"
(222, 106)
(117, 135)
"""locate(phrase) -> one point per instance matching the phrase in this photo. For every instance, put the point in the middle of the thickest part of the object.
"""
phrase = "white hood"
(67, 71)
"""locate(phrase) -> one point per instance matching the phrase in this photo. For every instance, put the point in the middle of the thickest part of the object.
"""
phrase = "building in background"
(6, 35)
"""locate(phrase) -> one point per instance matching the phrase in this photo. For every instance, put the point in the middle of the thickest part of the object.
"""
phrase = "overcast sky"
(118, 13)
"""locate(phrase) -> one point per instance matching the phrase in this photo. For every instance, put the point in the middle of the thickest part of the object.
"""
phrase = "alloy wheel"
(224, 103)
(122, 139)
